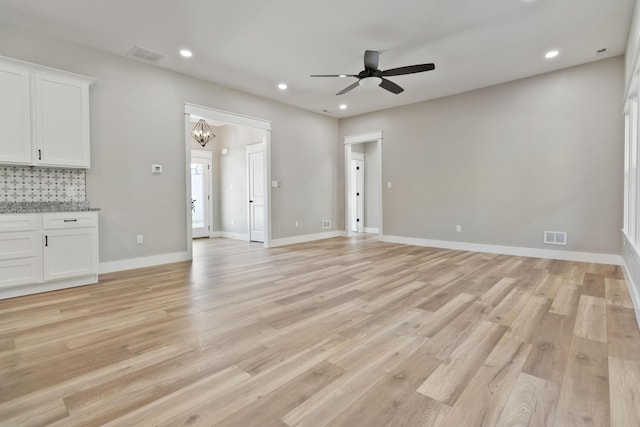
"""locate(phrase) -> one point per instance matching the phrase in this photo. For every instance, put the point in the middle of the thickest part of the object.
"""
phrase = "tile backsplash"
(28, 184)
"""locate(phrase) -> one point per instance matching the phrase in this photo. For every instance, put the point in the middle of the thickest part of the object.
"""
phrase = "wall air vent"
(144, 54)
(555, 238)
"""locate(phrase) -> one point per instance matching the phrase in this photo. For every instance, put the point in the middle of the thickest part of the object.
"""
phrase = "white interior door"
(255, 162)
(200, 196)
(357, 193)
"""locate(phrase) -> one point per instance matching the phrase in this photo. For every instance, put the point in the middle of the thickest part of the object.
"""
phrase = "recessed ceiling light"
(186, 53)
(343, 106)
(282, 86)
(342, 75)
(551, 54)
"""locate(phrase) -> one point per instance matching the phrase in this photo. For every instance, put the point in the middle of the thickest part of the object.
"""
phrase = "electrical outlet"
(297, 224)
(140, 239)
(458, 228)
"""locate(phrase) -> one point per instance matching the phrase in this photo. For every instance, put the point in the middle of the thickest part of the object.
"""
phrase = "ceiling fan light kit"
(372, 76)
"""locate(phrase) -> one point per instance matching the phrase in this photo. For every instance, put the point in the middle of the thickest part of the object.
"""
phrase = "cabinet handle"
(39, 154)
(46, 241)
(70, 220)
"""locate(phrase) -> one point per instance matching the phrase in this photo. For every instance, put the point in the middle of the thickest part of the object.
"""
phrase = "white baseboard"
(148, 261)
(306, 238)
(634, 291)
(631, 256)
(509, 250)
(232, 235)
(373, 230)
(36, 288)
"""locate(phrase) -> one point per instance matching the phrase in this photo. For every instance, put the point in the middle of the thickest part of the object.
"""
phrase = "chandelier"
(202, 132)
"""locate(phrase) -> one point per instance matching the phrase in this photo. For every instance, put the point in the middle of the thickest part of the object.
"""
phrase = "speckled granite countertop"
(37, 207)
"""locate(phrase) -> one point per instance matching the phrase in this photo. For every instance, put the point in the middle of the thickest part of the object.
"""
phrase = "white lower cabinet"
(70, 253)
(44, 252)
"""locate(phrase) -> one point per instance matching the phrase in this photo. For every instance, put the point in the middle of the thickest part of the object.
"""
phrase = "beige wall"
(137, 118)
(508, 162)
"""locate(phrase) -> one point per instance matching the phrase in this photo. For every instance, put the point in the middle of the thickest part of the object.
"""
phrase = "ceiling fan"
(372, 76)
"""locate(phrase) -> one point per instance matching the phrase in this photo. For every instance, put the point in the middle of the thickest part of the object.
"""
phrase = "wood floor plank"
(566, 301)
(532, 403)
(584, 396)
(617, 293)
(591, 320)
(384, 401)
(484, 398)
(623, 333)
(551, 345)
(624, 393)
(449, 380)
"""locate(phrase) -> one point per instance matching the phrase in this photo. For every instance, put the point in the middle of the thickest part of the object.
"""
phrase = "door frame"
(253, 148)
(375, 136)
(208, 155)
(224, 117)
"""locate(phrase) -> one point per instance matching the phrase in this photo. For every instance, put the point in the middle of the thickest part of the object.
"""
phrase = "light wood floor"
(341, 332)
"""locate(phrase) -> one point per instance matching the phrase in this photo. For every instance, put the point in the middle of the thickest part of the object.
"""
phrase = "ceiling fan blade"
(370, 60)
(348, 88)
(390, 86)
(333, 75)
(408, 70)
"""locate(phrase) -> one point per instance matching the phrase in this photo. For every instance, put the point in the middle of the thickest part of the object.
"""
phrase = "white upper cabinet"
(44, 117)
(62, 121)
(15, 113)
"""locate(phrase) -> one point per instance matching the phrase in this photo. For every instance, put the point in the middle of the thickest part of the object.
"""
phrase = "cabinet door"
(70, 253)
(62, 121)
(15, 115)
(21, 271)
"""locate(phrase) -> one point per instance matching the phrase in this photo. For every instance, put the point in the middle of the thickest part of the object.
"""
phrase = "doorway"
(368, 147)
(222, 118)
(201, 212)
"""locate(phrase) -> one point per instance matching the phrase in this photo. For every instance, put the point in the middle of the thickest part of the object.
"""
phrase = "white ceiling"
(252, 45)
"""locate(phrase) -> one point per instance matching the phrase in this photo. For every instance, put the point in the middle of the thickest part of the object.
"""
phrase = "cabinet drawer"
(52, 221)
(20, 244)
(18, 222)
(18, 272)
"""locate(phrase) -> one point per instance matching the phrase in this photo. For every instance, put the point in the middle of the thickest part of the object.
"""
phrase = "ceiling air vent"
(144, 54)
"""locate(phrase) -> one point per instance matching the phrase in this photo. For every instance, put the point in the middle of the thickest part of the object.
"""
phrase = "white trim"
(363, 137)
(375, 136)
(355, 155)
(37, 288)
(373, 230)
(596, 258)
(232, 235)
(225, 116)
(148, 261)
(306, 238)
(202, 154)
(187, 193)
(634, 289)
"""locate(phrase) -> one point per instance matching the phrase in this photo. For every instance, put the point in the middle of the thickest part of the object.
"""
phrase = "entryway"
(363, 183)
(239, 200)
